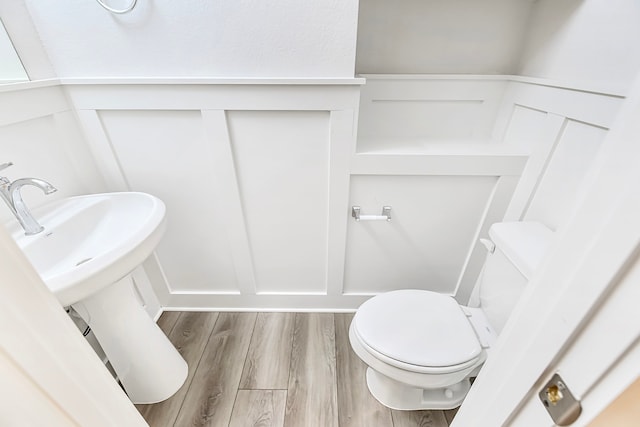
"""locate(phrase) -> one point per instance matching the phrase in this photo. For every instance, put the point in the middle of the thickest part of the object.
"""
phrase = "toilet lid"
(417, 327)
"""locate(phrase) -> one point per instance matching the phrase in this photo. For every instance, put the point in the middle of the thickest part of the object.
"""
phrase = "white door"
(579, 314)
(50, 375)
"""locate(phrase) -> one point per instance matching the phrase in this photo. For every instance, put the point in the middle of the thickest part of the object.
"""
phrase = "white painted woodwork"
(494, 211)
(236, 161)
(424, 246)
(255, 175)
(241, 148)
(228, 198)
(164, 153)
(574, 151)
(282, 165)
(561, 129)
(410, 113)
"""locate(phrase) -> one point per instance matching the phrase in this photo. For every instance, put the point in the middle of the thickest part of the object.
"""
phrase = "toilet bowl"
(422, 347)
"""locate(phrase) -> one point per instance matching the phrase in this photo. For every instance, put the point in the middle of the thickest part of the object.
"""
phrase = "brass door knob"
(554, 395)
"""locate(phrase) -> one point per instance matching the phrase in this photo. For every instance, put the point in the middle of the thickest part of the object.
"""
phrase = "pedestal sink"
(89, 244)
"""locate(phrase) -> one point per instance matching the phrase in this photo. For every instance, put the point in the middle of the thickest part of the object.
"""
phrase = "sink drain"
(83, 261)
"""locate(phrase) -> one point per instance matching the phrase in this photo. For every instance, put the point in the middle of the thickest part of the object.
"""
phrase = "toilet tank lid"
(524, 243)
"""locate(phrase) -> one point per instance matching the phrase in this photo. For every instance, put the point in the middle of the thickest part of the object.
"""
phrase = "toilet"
(422, 347)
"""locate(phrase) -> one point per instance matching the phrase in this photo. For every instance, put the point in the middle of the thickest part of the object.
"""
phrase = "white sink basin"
(88, 247)
(92, 241)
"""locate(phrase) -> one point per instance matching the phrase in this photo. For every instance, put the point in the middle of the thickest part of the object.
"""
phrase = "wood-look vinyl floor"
(273, 370)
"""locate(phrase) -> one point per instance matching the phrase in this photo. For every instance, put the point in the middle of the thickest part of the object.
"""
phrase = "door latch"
(560, 403)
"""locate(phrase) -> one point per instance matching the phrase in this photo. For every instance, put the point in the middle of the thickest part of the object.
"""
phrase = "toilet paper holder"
(385, 216)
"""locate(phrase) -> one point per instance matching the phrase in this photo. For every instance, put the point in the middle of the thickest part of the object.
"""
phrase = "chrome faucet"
(10, 193)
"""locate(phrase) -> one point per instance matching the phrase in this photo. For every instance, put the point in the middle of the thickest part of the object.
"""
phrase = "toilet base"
(396, 395)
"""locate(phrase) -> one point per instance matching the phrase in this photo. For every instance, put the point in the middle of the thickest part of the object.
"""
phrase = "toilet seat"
(418, 331)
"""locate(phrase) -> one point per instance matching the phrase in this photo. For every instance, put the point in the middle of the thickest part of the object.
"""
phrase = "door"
(50, 374)
(578, 316)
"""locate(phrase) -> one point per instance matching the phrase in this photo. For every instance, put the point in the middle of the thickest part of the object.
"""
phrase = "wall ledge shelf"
(594, 87)
(429, 147)
(313, 81)
(498, 163)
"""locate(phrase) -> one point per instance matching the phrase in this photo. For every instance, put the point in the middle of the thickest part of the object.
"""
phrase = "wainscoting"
(259, 176)
(562, 128)
(259, 180)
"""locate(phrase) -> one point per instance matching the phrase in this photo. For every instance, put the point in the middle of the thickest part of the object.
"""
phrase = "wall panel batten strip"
(552, 130)
(548, 155)
(342, 141)
(217, 133)
(494, 212)
(102, 151)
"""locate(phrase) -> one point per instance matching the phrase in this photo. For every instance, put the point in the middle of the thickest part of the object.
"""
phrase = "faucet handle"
(5, 165)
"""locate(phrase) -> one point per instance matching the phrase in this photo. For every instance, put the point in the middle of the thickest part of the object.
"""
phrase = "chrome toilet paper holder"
(385, 216)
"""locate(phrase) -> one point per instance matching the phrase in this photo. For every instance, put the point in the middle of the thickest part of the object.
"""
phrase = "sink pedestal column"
(148, 365)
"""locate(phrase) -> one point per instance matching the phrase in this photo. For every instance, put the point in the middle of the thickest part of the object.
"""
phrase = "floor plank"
(263, 408)
(312, 394)
(450, 414)
(167, 321)
(189, 335)
(273, 369)
(419, 419)
(356, 406)
(267, 364)
(209, 400)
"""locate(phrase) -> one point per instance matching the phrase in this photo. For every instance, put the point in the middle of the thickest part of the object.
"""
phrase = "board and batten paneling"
(428, 144)
(39, 134)
(574, 152)
(165, 154)
(255, 179)
(435, 219)
(282, 164)
(408, 113)
(259, 179)
(562, 129)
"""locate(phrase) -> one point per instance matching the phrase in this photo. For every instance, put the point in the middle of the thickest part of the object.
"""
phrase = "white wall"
(440, 37)
(40, 134)
(162, 38)
(587, 42)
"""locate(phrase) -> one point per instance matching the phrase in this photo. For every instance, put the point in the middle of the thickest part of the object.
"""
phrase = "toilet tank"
(519, 248)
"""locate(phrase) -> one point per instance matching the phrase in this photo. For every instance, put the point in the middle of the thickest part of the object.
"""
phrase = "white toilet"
(422, 347)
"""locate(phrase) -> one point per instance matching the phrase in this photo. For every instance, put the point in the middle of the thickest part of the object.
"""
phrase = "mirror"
(11, 69)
